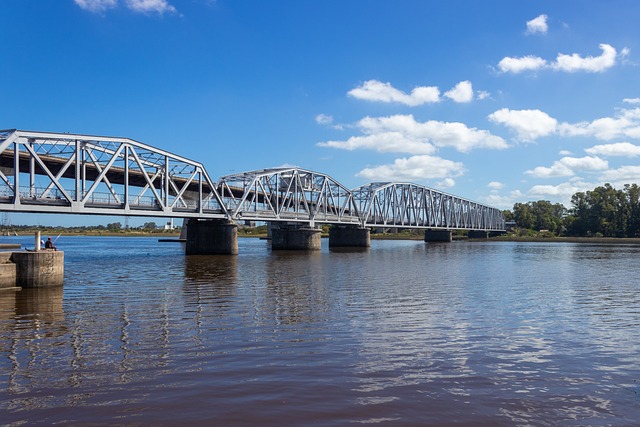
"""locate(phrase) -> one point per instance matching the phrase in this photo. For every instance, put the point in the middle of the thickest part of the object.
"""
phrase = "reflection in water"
(43, 304)
(7, 305)
(211, 282)
(208, 269)
(405, 333)
(294, 291)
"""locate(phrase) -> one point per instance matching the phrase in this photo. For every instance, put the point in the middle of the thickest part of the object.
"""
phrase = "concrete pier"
(349, 237)
(212, 237)
(38, 269)
(438, 236)
(288, 237)
(7, 271)
(478, 234)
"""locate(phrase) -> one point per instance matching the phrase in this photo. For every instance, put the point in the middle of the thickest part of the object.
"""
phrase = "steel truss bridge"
(83, 174)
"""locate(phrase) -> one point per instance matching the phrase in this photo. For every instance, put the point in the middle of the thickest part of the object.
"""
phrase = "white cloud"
(495, 185)
(414, 169)
(150, 6)
(567, 167)
(625, 124)
(591, 64)
(565, 153)
(462, 92)
(403, 134)
(624, 174)
(537, 25)
(503, 202)
(622, 149)
(631, 100)
(532, 124)
(141, 6)
(385, 142)
(567, 63)
(528, 124)
(96, 5)
(324, 119)
(483, 94)
(374, 90)
(446, 183)
(562, 192)
(524, 63)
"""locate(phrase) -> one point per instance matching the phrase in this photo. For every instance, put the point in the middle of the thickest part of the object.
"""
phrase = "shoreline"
(596, 240)
(601, 240)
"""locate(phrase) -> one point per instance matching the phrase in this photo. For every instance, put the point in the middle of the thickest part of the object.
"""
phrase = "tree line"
(601, 212)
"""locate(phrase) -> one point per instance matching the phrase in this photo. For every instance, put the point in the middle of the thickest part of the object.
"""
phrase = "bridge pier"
(294, 237)
(438, 235)
(38, 269)
(478, 234)
(211, 237)
(349, 237)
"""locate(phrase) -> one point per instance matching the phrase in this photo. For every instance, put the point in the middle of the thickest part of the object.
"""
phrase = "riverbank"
(597, 240)
(374, 236)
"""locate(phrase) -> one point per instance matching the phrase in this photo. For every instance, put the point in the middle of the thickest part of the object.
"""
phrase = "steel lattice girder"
(407, 205)
(119, 176)
(288, 194)
(101, 175)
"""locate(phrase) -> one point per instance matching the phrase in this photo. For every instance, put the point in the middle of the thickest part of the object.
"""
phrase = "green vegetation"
(602, 212)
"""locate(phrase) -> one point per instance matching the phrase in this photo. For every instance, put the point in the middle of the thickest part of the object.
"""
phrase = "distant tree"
(605, 211)
(114, 226)
(507, 215)
(632, 192)
(540, 215)
(149, 225)
(523, 216)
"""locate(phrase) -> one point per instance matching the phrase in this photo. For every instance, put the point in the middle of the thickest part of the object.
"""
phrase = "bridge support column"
(291, 237)
(211, 237)
(478, 234)
(38, 269)
(183, 230)
(349, 237)
(437, 236)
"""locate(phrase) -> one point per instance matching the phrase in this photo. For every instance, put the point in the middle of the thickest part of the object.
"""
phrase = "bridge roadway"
(46, 172)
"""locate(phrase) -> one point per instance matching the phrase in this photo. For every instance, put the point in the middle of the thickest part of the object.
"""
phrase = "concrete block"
(296, 239)
(438, 236)
(349, 237)
(7, 275)
(212, 237)
(39, 269)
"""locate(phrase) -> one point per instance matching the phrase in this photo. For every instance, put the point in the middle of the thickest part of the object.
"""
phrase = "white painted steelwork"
(84, 174)
(406, 205)
(288, 194)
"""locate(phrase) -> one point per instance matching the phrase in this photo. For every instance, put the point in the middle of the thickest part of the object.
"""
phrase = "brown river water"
(406, 333)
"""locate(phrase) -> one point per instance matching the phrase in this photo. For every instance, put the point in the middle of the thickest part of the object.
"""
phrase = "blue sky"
(496, 101)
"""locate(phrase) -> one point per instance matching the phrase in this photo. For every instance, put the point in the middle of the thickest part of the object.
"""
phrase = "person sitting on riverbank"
(49, 244)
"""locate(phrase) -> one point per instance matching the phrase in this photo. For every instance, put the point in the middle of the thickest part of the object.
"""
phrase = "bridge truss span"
(288, 194)
(407, 205)
(83, 174)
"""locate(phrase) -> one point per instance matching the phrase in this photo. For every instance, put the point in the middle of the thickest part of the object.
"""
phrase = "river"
(405, 333)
